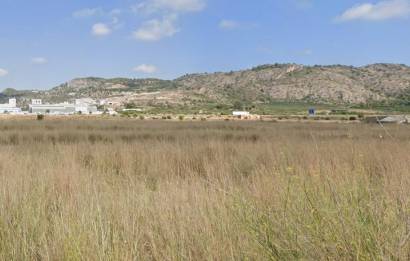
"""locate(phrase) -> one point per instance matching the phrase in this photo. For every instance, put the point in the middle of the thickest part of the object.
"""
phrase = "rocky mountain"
(336, 84)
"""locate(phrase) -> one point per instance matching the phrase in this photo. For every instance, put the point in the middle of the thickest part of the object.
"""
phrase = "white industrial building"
(10, 107)
(66, 108)
(85, 106)
(241, 113)
(38, 107)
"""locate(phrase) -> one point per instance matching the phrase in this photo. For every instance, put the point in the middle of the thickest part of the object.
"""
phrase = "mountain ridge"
(336, 84)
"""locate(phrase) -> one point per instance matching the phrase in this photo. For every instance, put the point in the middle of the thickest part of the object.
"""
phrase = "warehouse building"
(61, 108)
(85, 106)
(66, 108)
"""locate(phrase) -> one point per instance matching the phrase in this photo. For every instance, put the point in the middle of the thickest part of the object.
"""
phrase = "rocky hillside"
(329, 84)
(287, 82)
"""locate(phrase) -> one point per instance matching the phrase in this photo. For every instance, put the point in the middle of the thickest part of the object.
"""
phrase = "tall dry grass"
(136, 190)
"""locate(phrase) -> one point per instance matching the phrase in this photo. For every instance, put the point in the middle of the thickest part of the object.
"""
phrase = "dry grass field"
(153, 190)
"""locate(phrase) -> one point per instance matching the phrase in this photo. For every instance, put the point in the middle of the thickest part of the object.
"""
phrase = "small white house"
(111, 111)
(10, 107)
(241, 113)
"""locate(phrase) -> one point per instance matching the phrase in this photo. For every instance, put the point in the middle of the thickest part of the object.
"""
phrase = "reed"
(168, 190)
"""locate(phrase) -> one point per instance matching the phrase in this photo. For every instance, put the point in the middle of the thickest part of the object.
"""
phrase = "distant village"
(80, 106)
(89, 106)
(84, 106)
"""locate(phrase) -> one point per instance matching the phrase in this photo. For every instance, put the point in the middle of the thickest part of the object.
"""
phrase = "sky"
(44, 43)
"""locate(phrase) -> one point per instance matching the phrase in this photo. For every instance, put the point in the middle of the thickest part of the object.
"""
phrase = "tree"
(238, 105)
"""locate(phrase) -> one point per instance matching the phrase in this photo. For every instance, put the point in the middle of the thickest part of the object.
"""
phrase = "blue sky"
(46, 42)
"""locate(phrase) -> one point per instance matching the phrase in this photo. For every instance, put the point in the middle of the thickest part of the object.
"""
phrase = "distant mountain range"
(336, 84)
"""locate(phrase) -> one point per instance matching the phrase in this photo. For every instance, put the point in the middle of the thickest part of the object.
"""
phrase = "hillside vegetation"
(374, 84)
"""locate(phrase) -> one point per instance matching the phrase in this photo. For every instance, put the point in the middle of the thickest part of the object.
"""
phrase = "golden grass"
(137, 190)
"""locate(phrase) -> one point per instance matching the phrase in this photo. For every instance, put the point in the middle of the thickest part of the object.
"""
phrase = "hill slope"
(287, 82)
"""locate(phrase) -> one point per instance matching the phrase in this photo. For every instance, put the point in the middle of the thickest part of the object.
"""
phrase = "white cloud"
(101, 29)
(88, 12)
(175, 6)
(39, 60)
(170, 10)
(383, 10)
(3, 72)
(146, 68)
(155, 30)
(228, 24)
(98, 11)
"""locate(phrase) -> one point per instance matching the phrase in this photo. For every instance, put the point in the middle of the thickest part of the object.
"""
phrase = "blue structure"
(312, 112)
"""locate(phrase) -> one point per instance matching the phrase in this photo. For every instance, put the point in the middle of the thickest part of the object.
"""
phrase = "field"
(154, 190)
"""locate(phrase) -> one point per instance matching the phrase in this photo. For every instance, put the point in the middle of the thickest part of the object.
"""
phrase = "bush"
(352, 118)
(40, 117)
(142, 117)
(238, 105)
(181, 117)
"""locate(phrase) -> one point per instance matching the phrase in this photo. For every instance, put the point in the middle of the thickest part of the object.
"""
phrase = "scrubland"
(153, 190)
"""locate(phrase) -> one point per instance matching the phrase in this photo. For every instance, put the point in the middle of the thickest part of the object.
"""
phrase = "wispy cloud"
(39, 60)
(109, 19)
(155, 30)
(165, 14)
(228, 24)
(146, 68)
(174, 6)
(3, 72)
(383, 10)
(88, 12)
(101, 29)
